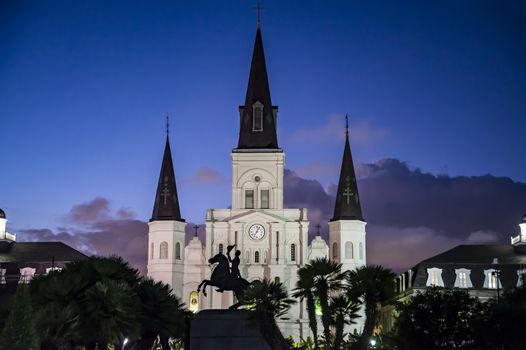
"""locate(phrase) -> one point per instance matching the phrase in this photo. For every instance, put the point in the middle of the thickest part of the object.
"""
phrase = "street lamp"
(496, 274)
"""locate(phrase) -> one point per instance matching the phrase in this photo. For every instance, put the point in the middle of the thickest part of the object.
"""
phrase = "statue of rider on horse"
(226, 275)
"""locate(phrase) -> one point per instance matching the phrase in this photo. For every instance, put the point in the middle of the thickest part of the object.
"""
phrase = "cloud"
(414, 215)
(317, 169)
(360, 132)
(205, 175)
(401, 248)
(97, 209)
(411, 215)
(95, 230)
(482, 237)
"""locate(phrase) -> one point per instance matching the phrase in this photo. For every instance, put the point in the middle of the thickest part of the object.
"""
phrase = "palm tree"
(304, 290)
(162, 313)
(343, 312)
(268, 301)
(373, 286)
(110, 313)
(327, 278)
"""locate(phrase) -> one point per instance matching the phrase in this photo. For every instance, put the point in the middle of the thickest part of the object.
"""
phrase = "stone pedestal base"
(227, 329)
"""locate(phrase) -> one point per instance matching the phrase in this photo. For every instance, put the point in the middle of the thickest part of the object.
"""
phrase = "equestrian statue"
(225, 275)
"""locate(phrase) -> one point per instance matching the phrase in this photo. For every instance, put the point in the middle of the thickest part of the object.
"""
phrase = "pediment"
(253, 215)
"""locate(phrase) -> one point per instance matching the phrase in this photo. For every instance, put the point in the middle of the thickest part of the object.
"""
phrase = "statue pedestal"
(229, 329)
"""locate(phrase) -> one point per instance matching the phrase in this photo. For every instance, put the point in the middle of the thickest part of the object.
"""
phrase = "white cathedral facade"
(273, 240)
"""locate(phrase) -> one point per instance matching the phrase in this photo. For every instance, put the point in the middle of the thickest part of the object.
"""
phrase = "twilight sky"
(436, 91)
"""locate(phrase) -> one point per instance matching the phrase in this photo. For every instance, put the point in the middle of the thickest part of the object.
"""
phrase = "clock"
(256, 231)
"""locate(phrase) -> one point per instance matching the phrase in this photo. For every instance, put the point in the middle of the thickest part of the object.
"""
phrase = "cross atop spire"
(347, 205)
(167, 124)
(195, 232)
(258, 9)
(166, 206)
(257, 128)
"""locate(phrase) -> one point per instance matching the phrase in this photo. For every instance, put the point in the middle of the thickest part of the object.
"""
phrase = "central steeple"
(258, 116)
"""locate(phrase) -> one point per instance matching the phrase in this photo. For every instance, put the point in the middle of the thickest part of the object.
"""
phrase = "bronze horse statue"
(222, 278)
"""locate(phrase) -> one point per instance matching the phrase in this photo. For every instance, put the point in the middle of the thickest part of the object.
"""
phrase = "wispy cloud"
(360, 132)
(205, 175)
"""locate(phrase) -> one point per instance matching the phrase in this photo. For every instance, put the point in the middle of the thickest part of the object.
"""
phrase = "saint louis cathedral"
(273, 240)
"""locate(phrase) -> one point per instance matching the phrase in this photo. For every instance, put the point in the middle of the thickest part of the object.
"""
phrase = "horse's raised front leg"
(205, 282)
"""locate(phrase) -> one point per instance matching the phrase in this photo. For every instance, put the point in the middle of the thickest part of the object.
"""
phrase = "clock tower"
(273, 241)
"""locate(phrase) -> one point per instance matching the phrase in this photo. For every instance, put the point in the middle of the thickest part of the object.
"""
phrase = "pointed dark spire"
(347, 199)
(166, 205)
(257, 130)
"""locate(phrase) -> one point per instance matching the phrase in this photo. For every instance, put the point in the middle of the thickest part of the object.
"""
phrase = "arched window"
(256, 257)
(163, 250)
(257, 122)
(220, 248)
(193, 303)
(292, 252)
(249, 199)
(335, 250)
(178, 251)
(349, 250)
(265, 198)
(361, 250)
(276, 279)
(247, 257)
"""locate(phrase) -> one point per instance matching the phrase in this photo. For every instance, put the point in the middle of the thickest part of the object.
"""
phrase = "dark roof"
(477, 259)
(2, 214)
(479, 254)
(347, 205)
(166, 206)
(258, 91)
(37, 252)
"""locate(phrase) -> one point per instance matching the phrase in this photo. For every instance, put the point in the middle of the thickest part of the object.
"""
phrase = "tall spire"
(347, 205)
(166, 206)
(258, 116)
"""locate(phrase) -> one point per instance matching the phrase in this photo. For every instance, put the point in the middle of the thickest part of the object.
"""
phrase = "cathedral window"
(349, 252)
(257, 118)
(492, 278)
(151, 250)
(163, 250)
(2, 276)
(276, 280)
(220, 248)
(249, 199)
(463, 279)
(26, 274)
(178, 251)
(434, 277)
(247, 257)
(361, 250)
(292, 252)
(265, 199)
(335, 250)
(256, 257)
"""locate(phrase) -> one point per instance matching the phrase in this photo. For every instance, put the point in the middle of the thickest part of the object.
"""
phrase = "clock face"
(256, 231)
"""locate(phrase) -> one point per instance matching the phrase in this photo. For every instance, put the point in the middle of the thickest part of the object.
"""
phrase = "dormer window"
(463, 279)
(434, 277)
(257, 116)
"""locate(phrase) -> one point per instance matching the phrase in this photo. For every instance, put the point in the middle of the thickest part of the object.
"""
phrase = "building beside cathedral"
(273, 240)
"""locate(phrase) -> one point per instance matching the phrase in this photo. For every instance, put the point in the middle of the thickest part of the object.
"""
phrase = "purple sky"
(436, 86)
